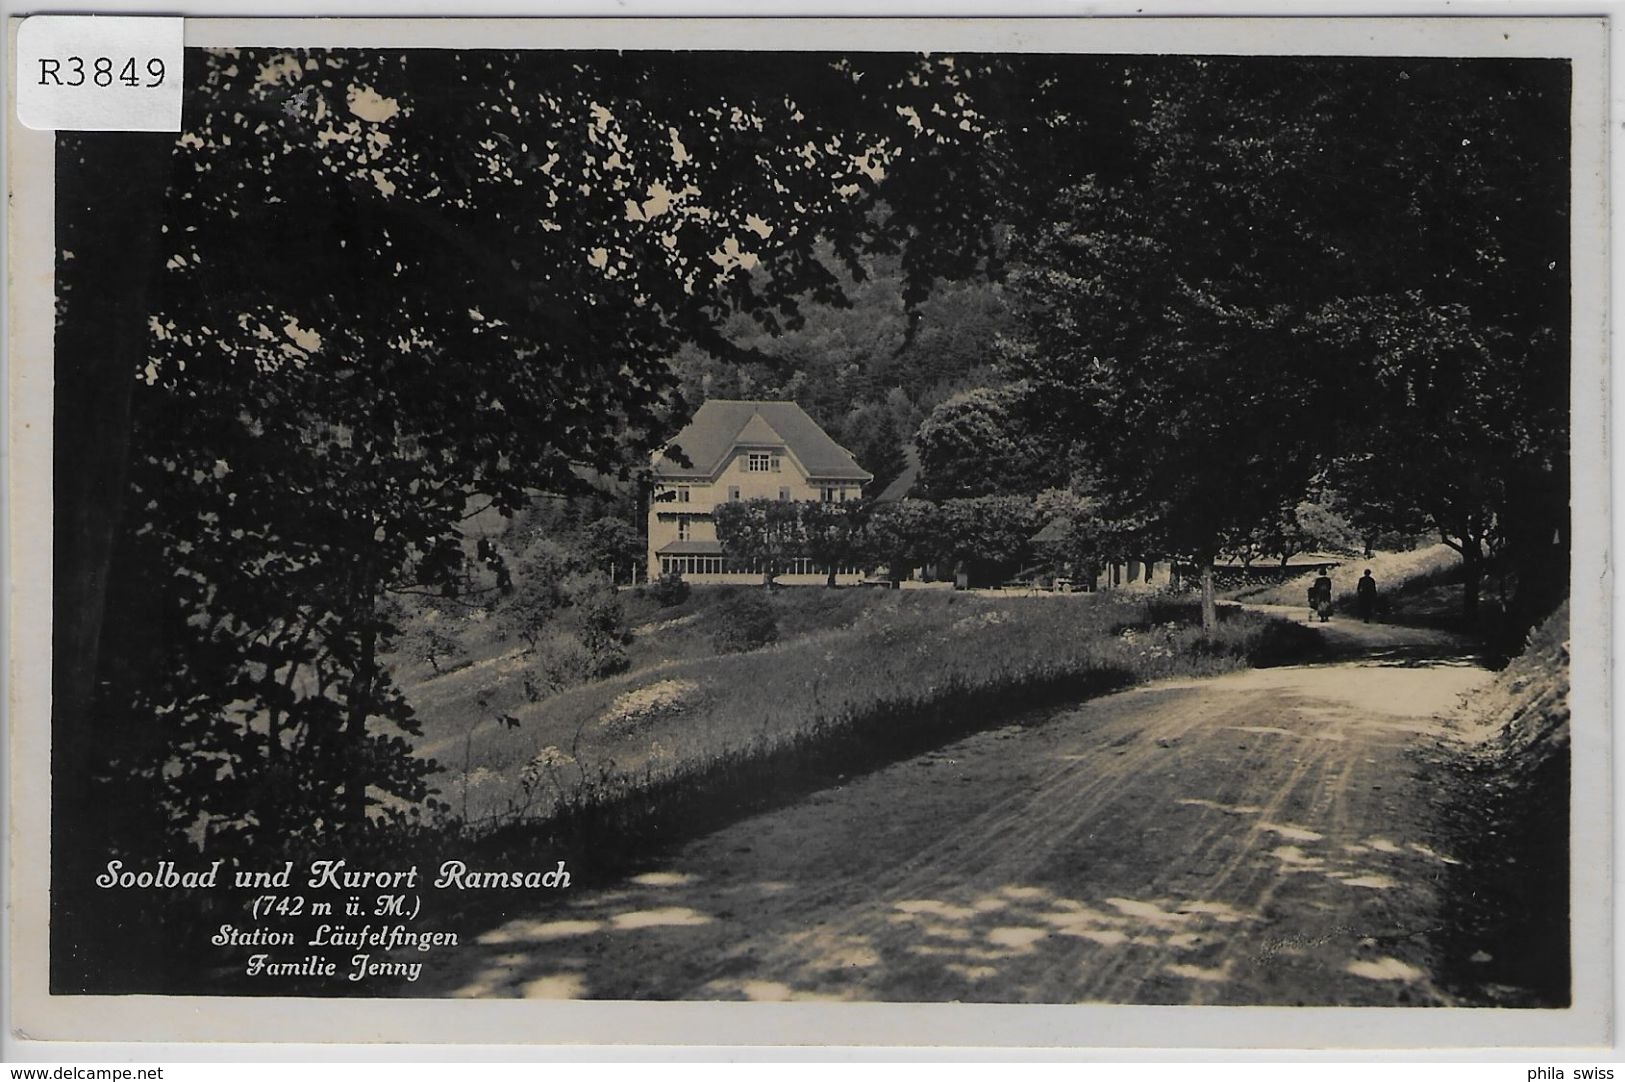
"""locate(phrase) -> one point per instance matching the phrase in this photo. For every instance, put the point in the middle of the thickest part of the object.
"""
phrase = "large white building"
(742, 451)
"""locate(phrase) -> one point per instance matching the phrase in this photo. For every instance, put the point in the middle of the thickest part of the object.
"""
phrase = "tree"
(392, 288)
(832, 535)
(905, 534)
(1308, 525)
(989, 536)
(1209, 383)
(616, 543)
(881, 451)
(1456, 440)
(970, 446)
(763, 534)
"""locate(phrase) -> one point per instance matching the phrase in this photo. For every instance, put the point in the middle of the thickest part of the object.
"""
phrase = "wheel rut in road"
(1265, 837)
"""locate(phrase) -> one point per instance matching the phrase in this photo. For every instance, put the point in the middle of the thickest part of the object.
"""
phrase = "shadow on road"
(1376, 643)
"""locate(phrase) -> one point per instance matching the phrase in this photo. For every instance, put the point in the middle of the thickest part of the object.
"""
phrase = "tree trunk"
(355, 726)
(109, 207)
(110, 202)
(1472, 575)
(1210, 611)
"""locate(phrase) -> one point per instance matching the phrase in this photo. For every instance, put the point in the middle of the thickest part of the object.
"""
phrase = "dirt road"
(1264, 837)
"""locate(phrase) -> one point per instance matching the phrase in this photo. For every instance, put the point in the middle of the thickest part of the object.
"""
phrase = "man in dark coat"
(1365, 596)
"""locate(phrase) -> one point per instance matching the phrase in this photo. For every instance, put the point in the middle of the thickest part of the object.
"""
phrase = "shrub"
(668, 590)
(745, 622)
(599, 623)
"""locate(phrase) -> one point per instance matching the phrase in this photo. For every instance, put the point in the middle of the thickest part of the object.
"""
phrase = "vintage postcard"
(1007, 532)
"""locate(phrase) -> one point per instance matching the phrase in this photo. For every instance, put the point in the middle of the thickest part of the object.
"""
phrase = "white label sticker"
(99, 73)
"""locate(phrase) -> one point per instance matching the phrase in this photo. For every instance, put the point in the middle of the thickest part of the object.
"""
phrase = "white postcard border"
(144, 1018)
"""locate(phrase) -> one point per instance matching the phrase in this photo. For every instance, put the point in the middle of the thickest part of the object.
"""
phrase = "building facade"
(742, 450)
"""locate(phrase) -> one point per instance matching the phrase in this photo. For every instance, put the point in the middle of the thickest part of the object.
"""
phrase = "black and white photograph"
(867, 523)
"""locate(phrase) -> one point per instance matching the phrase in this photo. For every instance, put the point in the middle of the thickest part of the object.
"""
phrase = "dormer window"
(761, 462)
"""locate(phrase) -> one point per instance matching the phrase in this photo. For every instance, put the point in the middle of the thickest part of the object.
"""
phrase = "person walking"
(1323, 595)
(1365, 596)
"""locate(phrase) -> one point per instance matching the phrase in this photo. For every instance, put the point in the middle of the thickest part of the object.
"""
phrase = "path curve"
(1265, 837)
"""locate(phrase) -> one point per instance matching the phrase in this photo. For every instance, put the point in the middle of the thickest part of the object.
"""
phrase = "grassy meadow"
(852, 678)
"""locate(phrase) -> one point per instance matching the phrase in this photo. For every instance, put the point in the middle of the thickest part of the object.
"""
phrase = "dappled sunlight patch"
(538, 931)
(1197, 973)
(1382, 845)
(1088, 924)
(1018, 939)
(755, 991)
(934, 908)
(1295, 859)
(662, 879)
(836, 951)
(667, 917)
(1233, 809)
(1147, 911)
(1431, 855)
(1372, 882)
(1223, 912)
(555, 986)
(1106, 937)
(1384, 969)
(1292, 833)
(971, 973)
(1070, 913)
(1024, 894)
(483, 986)
(978, 954)
(765, 991)
(760, 991)
(1263, 730)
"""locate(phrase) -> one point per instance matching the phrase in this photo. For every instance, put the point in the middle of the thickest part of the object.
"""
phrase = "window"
(759, 462)
(784, 494)
(682, 495)
(733, 492)
(826, 494)
(683, 529)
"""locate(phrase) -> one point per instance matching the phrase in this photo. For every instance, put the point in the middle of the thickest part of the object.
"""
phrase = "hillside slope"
(1512, 822)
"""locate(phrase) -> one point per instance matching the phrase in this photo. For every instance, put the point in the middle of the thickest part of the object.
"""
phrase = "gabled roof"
(903, 483)
(720, 425)
(1057, 529)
